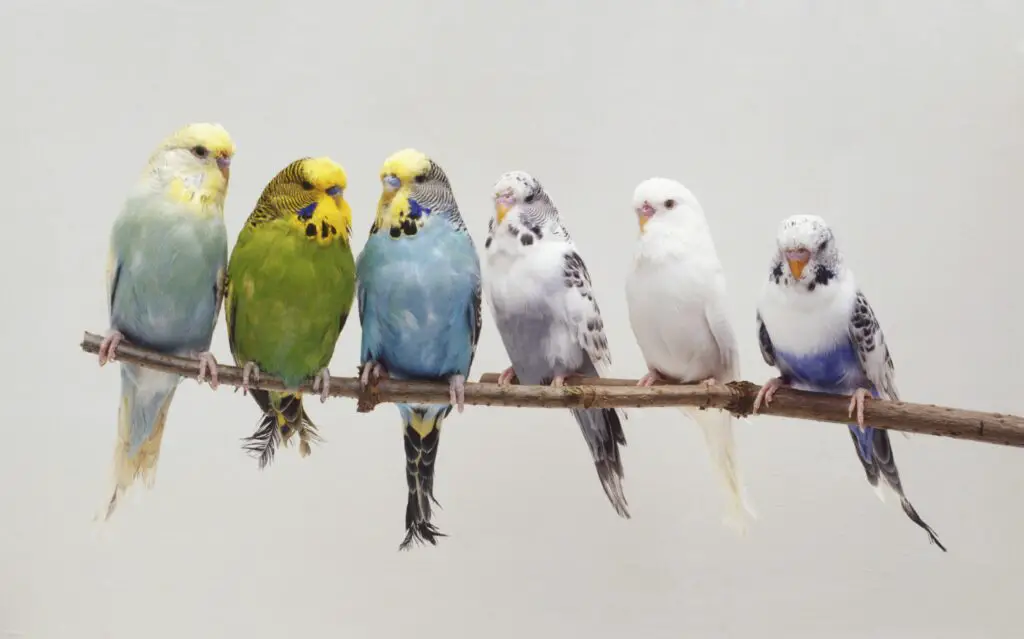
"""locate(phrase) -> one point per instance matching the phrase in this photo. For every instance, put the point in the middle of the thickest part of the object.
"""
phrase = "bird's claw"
(767, 393)
(108, 347)
(507, 376)
(457, 391)
(207, 365)
(649, 379)
(249, 370)
(372, 369)
(558, 381)
(857, 404)
(322, 384)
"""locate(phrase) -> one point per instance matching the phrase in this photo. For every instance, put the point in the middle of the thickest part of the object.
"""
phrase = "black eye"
(670, 204)
(529, 198)
(420, 179)
(306, 184)
(824, 243)
(200, 151)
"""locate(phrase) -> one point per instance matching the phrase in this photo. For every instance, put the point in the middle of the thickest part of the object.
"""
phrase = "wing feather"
(584, 310)
(873, 352)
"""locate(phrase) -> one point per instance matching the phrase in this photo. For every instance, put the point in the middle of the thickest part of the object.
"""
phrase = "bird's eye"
(529, 198)
(307, 185)
(824, 243)
(670, 204)
(421, 178)
(200, 151)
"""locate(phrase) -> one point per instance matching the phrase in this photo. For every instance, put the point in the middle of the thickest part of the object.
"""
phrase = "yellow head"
(309, 195)
(193, 166)
(414, 187)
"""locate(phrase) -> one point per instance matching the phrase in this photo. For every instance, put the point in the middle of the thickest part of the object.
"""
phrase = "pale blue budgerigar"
(418, 288)
(544, 306)
(165, 278)
(816, 326)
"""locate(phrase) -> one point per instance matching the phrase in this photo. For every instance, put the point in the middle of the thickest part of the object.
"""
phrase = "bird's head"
(806, 245)
(192, 165)
(309, 194)
(514, 190)
(661, 203)
(413, 187)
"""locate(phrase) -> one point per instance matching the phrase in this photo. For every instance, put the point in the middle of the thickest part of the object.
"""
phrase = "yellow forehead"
(405, 164)
(213, 136)
(324, 173)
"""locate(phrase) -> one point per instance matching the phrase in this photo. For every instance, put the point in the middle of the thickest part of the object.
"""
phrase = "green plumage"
(289, 294)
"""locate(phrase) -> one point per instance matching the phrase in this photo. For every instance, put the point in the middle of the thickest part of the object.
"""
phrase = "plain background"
(900, 122)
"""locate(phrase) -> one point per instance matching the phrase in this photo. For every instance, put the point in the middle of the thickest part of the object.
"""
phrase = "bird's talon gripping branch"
(651, 378)
(857, 404)
(207, 365)
(372, 372)
(507, 377)
(249, 370)
(457, 391)
(108, 347)
(322, 384)
(558, 381)
(767, 393)
(709, 382)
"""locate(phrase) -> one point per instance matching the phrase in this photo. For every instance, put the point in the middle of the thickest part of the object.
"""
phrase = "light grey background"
(900, 122)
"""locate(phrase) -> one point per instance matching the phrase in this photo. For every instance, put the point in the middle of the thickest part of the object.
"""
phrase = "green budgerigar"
(291, 283)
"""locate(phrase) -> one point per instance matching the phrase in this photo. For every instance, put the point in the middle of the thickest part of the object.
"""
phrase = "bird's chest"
(524, 280)
(836, 369)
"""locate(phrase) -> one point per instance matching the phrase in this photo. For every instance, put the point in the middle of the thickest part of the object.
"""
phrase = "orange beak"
(797, 261)
(502, 205)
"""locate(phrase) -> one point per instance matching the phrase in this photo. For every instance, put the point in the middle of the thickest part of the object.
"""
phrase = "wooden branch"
(736, 397)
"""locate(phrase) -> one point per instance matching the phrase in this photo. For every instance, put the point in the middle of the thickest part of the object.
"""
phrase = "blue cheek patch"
(416, 211)
(334, 191)
(306, 212)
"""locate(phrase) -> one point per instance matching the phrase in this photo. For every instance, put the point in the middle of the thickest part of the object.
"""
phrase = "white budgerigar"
(540, 293)
(817, 327)
(676, 296)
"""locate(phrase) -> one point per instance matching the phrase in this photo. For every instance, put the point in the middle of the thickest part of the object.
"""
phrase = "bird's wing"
(765, 342)
(869, 342)
(584, 311)
(725, 338)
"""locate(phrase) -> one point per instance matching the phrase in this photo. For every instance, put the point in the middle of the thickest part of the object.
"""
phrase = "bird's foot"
(249, 370)
(709, 382)
(651, 378)
(322, 384)
(457, 391)
(767, 392)
(507, 377)
(558, 381)
(108, 347)
(857, 404)
(207, 365)
(372, 372)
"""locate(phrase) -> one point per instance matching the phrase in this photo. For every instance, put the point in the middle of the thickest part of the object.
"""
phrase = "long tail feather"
(421, 427)
(283, 417)
(602, 428)
(717, 427)
(146, 397)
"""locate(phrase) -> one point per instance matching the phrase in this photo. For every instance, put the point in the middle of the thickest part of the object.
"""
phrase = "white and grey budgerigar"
(676, 296)
(540, 294)
(816, 326)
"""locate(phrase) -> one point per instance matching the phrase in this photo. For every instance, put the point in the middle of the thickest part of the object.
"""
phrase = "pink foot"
(207, 364)
(249, 370)
(767, 392)
(457, 391)
(507, 377)
(108, 347)
(558, 381)
(650, 378)
(374, 370)
(322, 384)
(857, 404)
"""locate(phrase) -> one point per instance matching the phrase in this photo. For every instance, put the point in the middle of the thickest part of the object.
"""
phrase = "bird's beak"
(502, 205)
(797, 260)
(644, 214)
(224, 164)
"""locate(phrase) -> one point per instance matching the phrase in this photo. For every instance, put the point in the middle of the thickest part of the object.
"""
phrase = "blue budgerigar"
(418, 287)
(816, 326)
(165, 277)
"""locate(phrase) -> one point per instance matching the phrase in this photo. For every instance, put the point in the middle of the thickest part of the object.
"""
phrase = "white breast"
(802, 322)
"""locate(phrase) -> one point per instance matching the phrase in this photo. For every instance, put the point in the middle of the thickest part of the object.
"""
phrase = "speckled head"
(806, 240)
(310, 194)
(514, 188)
(413, 188)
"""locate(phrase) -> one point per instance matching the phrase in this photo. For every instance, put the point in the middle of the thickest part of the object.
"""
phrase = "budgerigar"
(165, 278)
(816, 326)
(540, 293)
(291, 282)
(676, 297)
(419, 306)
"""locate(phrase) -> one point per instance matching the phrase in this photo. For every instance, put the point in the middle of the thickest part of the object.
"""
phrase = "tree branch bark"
(736, 397)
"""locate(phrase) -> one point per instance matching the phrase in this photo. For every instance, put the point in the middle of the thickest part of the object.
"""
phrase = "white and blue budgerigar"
(816, 326)
(418, 288)
(544, 306)
(165, 280)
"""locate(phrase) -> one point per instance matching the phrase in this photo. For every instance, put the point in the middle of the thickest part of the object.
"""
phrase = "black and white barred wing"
(584, 311)
(869, 342)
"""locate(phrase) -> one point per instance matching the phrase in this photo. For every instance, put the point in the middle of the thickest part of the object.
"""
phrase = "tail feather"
(717, 426)
(146, 397)
(283, 417)
(422, 434)
(874, 451)
(602, 428)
